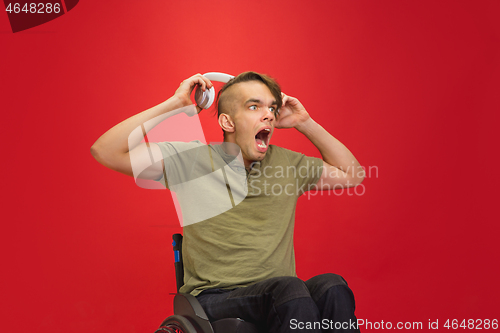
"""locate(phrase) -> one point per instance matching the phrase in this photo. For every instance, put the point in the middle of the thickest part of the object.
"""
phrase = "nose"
(268, 115)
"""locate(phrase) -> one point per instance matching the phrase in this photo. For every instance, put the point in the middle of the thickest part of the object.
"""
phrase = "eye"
(272, 109)
(253, 107)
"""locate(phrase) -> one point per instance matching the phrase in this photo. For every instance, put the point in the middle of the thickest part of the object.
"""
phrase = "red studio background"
(411, 87)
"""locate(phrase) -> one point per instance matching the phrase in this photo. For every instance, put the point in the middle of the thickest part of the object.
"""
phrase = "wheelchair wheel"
(176, 324)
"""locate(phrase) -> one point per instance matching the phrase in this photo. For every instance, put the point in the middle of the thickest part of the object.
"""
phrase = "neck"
(231, 148)
(248, 164)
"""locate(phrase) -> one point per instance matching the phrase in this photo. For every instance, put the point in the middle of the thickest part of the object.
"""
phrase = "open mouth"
(262, 139)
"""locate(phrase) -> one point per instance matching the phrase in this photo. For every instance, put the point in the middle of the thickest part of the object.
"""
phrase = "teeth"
(262, 145)
(267, 129)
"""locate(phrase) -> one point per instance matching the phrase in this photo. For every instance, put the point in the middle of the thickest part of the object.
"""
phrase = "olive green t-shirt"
(253, 239)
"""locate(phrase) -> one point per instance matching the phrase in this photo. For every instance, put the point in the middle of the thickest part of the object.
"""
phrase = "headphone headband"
(219, 77)
(204, 99)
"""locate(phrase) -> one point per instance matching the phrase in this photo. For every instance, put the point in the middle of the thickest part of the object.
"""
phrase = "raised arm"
(114, 147)
(340, 167)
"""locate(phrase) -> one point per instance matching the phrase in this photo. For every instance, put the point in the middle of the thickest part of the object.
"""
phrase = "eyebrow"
(258, 101)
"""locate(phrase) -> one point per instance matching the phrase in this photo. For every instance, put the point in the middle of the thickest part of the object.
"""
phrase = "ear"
(226, 123)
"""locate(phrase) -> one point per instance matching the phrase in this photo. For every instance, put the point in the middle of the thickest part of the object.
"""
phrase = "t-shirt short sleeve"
(308, 169)
(174, 159)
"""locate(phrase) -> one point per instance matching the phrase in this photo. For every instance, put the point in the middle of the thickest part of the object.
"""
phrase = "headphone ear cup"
(204, 99)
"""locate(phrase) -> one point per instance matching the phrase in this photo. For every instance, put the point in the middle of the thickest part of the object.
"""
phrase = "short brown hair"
(273, 86)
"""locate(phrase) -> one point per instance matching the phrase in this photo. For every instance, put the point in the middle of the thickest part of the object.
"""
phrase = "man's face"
(254, 119)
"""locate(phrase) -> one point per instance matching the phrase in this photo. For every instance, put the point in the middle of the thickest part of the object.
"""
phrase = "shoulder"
(179, 146)
(280, 151)
(277, 152)
(282, 156)
(174, 148)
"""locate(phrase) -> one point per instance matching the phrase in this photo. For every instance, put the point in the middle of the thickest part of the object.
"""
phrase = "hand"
(292, 113)
(183, 93)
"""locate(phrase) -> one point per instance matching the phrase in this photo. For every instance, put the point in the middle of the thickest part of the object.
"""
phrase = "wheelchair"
(189, 316)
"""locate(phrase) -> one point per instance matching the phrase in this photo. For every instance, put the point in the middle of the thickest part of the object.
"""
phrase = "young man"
(239, 261)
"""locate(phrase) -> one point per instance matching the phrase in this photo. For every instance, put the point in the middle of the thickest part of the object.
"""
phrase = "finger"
(291, 101)
(196, 81)
(193, 81)
(284, 98)
(208, 83)
(199, 80)
(203, 81)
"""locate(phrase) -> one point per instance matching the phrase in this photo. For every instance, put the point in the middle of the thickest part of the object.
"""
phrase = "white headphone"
(205, 99)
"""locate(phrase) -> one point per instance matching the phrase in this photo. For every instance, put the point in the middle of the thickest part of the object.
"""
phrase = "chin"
(260, 156)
